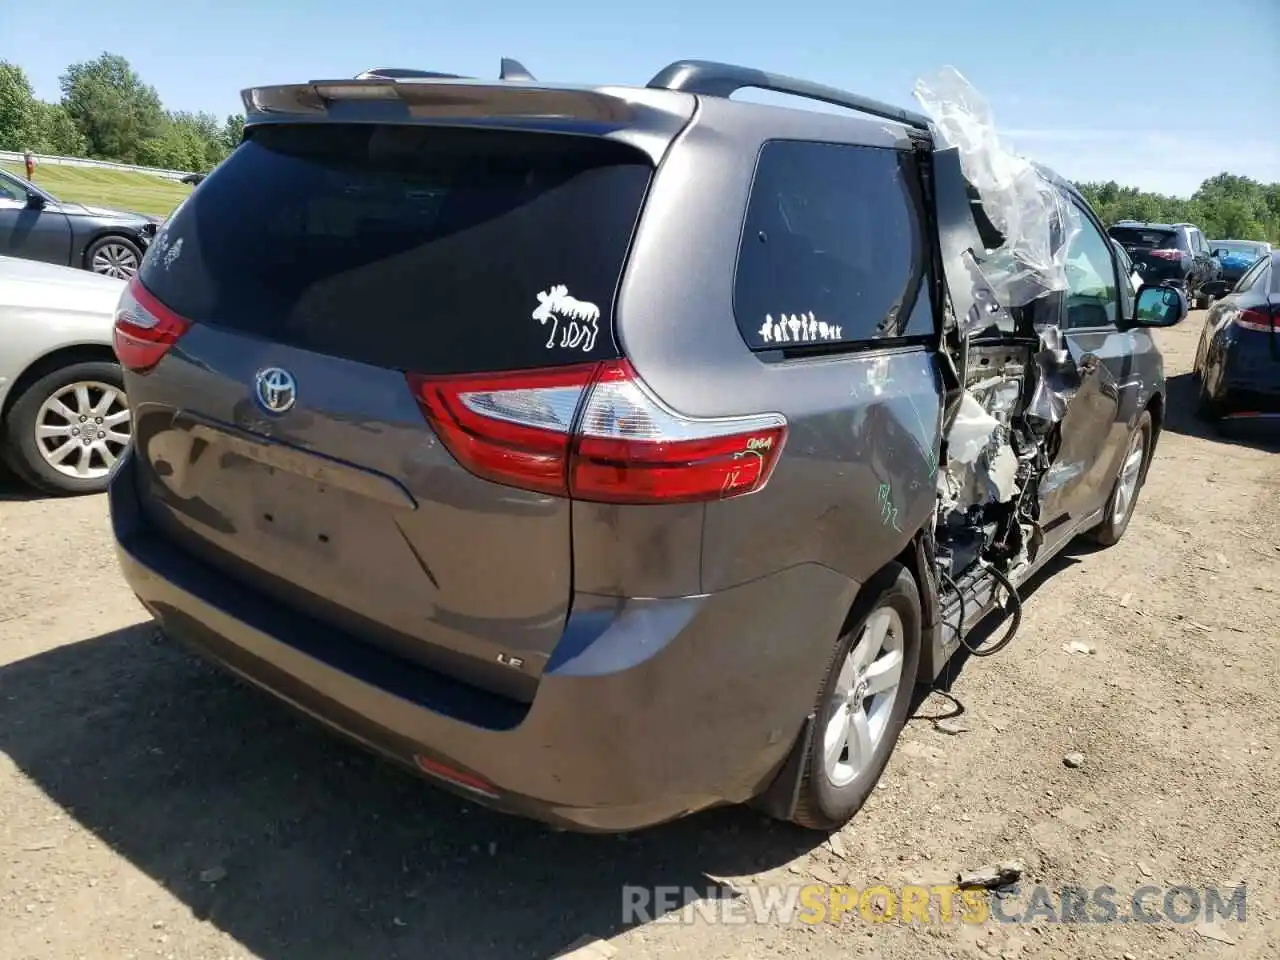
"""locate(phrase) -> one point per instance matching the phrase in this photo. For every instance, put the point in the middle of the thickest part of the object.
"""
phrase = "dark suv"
(607, 454)
(1170, 253)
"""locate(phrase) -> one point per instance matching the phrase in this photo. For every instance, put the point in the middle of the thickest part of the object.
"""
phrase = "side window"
(833, 248)
(1091, 296)
(9, 191)
(1252, 276)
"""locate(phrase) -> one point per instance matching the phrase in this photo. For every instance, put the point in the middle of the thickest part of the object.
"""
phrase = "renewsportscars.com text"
(823, 903)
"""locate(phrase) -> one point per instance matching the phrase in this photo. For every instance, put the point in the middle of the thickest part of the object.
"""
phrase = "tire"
(32, 458)
(827, 800)
(1128, 485)
(1208, 408)
(113, 256)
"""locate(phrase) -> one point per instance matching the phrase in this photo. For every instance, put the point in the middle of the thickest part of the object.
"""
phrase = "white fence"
(8, 156)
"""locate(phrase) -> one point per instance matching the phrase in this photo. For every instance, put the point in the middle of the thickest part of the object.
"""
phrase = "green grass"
(108, 188)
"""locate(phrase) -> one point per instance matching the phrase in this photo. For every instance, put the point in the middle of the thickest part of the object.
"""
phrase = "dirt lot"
(151, 807)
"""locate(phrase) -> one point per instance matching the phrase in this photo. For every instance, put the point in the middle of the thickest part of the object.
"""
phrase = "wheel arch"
(46, 363)
(780, 796)
(106, 232)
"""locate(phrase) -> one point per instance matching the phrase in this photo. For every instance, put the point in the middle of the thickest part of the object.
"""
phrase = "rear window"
(1145, 239)
(833, 248)
(410, 247)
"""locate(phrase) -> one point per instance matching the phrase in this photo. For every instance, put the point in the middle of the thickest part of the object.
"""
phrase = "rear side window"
(410, 247)
(1254, 278)
(1145, 239)
(832, 249)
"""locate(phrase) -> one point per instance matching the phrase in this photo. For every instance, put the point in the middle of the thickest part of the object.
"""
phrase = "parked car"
(35, 225)
(614, 528)
(64, 420)
(1169, 253)
(1238, 357)
(1236, 257)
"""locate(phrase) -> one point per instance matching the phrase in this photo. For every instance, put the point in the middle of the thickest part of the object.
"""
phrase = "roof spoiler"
(509, 69)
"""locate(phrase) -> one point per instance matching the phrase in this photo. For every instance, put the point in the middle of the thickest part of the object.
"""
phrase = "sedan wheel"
(67, 430)
(115, 258)
(82, 430)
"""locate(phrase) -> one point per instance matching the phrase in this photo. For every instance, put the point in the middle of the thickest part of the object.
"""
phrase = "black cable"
(994, 648)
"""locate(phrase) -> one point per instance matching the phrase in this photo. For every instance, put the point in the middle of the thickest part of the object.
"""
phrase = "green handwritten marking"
(888, 512)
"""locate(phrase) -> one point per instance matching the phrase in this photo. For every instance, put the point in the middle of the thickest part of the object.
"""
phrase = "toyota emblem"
(276, 389)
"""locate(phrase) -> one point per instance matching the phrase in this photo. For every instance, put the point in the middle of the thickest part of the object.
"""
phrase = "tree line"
(1224, 207)
(108, 113)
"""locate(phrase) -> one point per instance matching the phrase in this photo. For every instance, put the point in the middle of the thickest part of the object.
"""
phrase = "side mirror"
(1158, 307)
(34, 201)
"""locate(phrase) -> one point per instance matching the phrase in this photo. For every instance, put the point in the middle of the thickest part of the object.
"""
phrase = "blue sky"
(1155, 95)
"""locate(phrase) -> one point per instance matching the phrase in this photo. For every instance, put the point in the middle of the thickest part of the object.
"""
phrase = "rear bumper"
(1161, 271)
(648, 710)
(1247, 378)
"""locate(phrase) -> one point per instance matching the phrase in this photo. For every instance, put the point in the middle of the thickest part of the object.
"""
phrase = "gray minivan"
(608, 454)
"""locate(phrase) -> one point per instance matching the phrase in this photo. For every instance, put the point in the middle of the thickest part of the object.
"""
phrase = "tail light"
(596, 432)
(145, 328)
(1256, 319)
(1166, 254)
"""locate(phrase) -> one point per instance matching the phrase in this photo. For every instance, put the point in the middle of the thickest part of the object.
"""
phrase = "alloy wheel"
(862, 702)
(83, 428)
(1130, 472)
(115, 260)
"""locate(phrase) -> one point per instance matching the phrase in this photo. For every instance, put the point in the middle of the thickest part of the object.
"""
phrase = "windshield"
(1144, 237)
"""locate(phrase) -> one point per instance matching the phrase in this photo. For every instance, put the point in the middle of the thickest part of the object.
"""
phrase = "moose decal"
(575, 320)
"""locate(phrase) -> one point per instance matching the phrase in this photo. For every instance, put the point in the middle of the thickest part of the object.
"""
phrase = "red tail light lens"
(511, 428)
(145, 328)
(596, 432)
(1166, 254)
(1255, 319)
(631, 448)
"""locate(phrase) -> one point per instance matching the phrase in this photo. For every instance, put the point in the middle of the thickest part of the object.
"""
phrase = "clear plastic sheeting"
(971, 432)
(1037, 223)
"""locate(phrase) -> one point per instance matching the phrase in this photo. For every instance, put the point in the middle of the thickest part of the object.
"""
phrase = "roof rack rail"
(509, 70)
(723, 80)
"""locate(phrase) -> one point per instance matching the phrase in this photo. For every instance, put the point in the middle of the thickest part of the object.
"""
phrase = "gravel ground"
(150, 807)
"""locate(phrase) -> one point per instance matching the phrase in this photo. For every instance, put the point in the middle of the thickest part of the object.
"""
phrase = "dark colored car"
(35, 225)
(1238, 358)
(194, 179)
(608, 454)
(1236, 257)
(1174, 253)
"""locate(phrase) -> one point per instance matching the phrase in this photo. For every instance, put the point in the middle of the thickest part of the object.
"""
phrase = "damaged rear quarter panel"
(856, 479)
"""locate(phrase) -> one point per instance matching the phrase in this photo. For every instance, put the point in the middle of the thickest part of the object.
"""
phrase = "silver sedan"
(63, 418)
